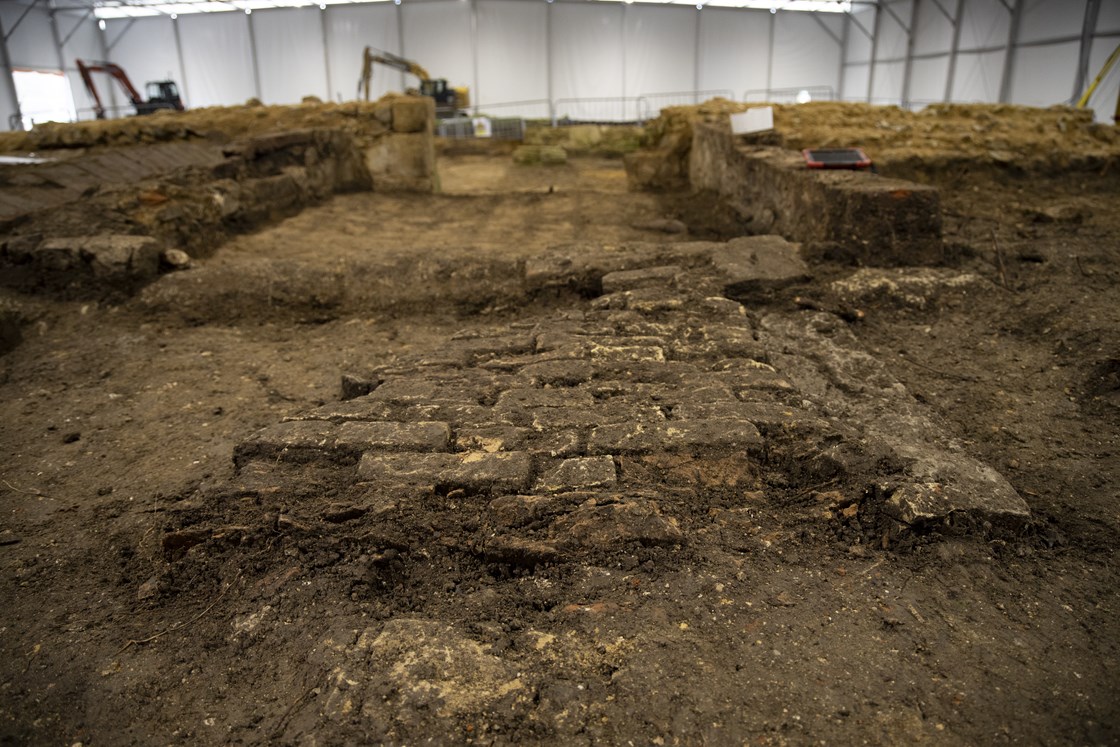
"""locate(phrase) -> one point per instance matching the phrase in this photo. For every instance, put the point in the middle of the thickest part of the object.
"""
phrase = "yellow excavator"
(449, 101)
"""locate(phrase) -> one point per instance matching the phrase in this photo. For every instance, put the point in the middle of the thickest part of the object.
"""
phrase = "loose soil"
(120, 422)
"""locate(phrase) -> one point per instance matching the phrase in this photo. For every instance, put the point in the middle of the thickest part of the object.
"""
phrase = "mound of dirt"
(998, 134)
(363, 120)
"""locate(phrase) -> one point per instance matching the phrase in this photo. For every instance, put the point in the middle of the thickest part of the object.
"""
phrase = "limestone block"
(586, 473)
(402, 162)
(475, 471)
(658, 277)
(107, 257)
(760, 260)
(603, 527)
(393, 436)
(413, 113)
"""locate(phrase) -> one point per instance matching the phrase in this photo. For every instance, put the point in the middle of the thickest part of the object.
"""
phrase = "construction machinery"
(450, 101)
(162, 94)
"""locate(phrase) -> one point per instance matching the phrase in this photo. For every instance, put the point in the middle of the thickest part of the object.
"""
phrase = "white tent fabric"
(146, 49)
(927, 80)
(513, 58)
(285, 77)
(437, 35)
(734, 50)
(805, 53)
(984, 23)
(978, 76)
(1040, 73)
(659, 45)
(892, 33)
(589, 60)
(352, 28)
(933, 31)
(219, 68)
(1043, 19)
(32, 46)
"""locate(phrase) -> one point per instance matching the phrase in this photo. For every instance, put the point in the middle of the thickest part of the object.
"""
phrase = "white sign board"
(758, 119)
(482, 127)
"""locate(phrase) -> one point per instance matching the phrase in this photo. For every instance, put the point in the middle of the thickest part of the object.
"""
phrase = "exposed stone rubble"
(71, 221)
(628, 417)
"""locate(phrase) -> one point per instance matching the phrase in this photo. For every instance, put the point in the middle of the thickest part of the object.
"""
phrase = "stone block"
(879, 221)
(413, 113)
(406, 469)
(402, 162)
(664, 276)
(744, 374)
(492, 438)
(475, 471)
(560, 373)
(364, 436)
(296, 441)
(586, 473)
(525, 398)
(494, 473)
(519, 510)
(559, 443)
(312, 440)
(598, 526)
(642, 300)
(756, 262)
(675, 435)
(111, 257)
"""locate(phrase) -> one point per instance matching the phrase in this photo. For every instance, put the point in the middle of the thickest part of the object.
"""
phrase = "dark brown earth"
(155, 596)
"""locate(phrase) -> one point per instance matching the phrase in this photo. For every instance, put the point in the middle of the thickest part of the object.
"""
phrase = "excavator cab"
(164, 93)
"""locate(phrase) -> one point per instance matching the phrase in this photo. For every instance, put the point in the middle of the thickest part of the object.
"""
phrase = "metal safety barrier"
(789, 95)
(600, 110)
(651, 104)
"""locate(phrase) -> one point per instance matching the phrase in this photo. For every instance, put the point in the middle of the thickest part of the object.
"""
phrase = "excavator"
(162, 94)
(449, 101)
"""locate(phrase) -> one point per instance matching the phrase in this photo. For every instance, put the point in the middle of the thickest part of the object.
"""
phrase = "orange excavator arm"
(117, 73)
(370, 56)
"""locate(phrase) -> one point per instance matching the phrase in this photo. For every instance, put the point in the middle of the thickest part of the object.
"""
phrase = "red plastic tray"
(836, 158)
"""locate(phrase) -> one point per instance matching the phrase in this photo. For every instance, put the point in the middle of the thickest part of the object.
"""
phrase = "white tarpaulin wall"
(219, 67)
(352, 28)
(912, 60)
(285, 78)
(513, 58)
(591, 60)
(147, 50)
(734, 50)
